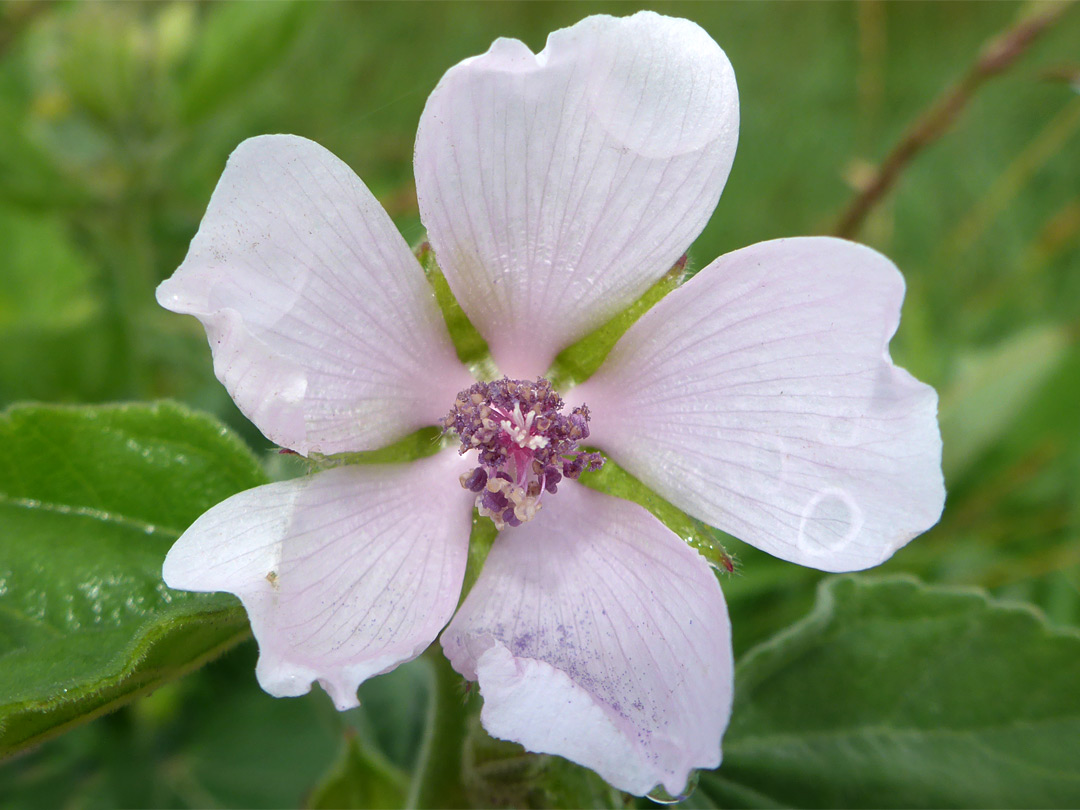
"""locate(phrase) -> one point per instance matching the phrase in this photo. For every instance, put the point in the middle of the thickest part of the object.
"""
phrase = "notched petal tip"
(169, 295)
(508, 54)
(280, 676)
(669, 89)
(557, 188)
(343, 695)
(281, 680)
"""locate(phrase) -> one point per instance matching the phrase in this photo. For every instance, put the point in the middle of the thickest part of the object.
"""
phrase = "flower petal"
(557, 187)
(598, 635)
(345, 574)
(760, 398)
(323, 328)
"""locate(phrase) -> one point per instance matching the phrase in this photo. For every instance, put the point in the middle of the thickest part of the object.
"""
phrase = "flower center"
(525, 446)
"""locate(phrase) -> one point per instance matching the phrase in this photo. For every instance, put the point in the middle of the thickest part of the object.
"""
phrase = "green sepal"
(574, 364)
(417, 445)
(361, 777)
(481, 538)
(469, 344)
(580, 360)
(614, 480)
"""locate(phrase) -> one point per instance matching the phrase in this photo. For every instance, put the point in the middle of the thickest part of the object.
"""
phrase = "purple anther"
(476, 480)
(493, 501)
(525, 445)
(552, 477)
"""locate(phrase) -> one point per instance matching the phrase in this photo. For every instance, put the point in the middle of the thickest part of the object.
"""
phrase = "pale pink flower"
(556, 188)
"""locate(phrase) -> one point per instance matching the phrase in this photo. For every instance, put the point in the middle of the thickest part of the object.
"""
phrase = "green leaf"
(49, 309)
(112, 39)
(892, 693)
(30, 177)
(91, 499)
(212, 739)
(238, 45)
(991, 389)
(360, 778)
(33, 300)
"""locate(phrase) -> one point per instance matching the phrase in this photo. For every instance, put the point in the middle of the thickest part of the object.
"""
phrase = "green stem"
(437, 781)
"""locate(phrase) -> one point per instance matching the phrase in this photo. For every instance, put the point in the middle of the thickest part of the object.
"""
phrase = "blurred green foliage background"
(116, 120)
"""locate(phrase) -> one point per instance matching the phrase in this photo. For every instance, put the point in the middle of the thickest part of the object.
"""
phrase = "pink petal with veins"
(760, 398)
(345, 574)
(557, 187)
(323, 328)
(597, 634)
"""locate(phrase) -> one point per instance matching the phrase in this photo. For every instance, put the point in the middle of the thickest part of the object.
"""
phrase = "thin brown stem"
(995, 57)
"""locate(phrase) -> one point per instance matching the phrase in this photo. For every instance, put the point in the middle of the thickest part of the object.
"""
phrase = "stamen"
(524, 445)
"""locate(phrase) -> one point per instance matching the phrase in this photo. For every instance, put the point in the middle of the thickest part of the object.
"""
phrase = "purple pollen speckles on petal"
(524, 445)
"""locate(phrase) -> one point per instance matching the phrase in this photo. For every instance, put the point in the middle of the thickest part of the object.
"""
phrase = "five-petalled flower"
(556, 188)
